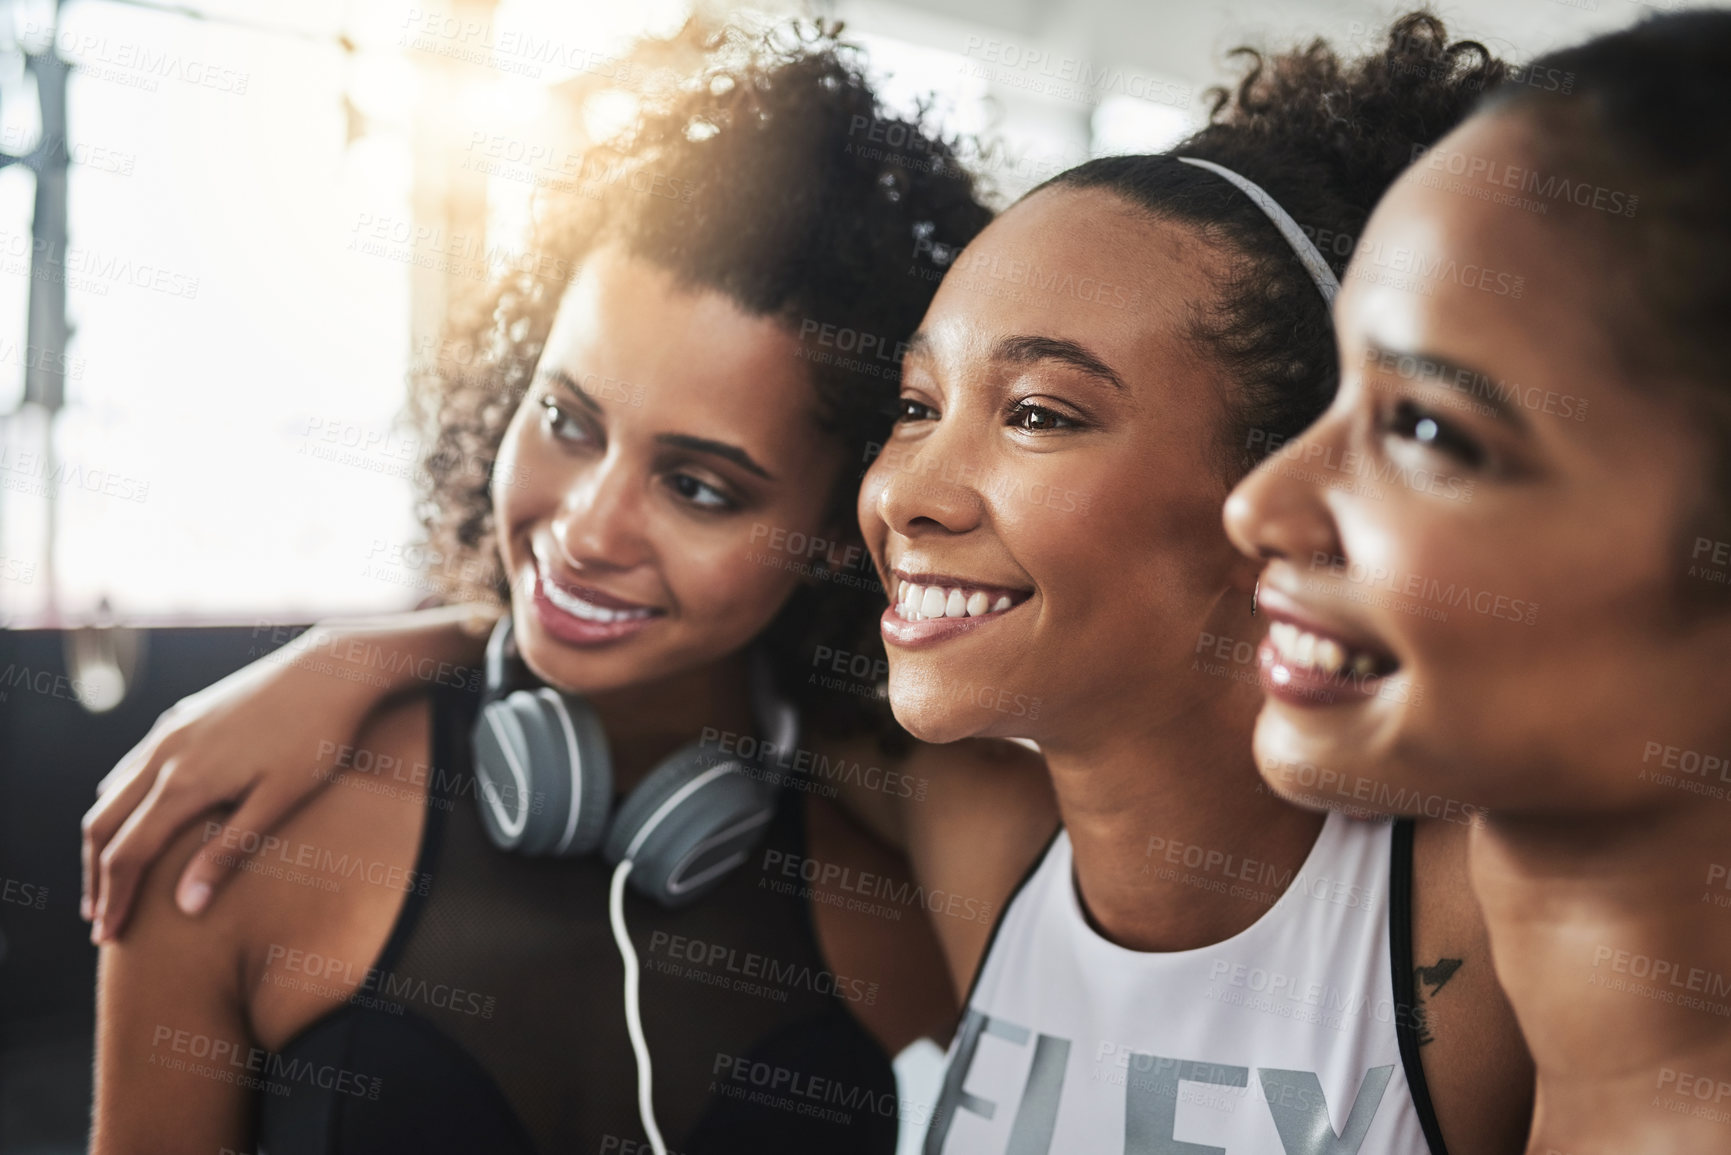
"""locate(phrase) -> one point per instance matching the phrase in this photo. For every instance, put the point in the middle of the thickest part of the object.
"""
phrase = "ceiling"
(1186, 40)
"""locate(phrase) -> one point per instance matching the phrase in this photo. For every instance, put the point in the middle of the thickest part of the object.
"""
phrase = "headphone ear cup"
(503, 783)
(688, 824)
(540, 763)
(582, 760)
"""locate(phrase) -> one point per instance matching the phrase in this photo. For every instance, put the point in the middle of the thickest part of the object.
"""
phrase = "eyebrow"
(1446, 373)
(1029, 350)
(683, 441)
(719, 449)
(561, 377)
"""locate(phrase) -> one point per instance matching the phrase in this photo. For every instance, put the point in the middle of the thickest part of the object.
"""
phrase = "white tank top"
(1282, 1040)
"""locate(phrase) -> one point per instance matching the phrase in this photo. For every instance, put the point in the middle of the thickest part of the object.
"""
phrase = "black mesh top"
(493, 1019)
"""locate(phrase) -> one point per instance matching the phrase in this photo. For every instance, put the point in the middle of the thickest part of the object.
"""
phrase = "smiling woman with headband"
(1570, 624)
(1191, 964)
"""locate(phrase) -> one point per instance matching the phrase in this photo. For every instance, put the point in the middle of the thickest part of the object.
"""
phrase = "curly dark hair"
(1644, 112)
(754, 179)
(1325, 138)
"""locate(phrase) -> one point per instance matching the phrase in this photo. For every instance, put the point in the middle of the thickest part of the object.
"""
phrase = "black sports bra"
(493, 1020)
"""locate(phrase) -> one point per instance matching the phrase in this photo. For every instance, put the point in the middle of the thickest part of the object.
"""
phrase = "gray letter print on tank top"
(1036, 1114)
(1295, 1099)
(1300, 1111)
(1151, 1102)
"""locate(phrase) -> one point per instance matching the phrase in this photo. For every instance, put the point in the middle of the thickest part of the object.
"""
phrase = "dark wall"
(52, 753)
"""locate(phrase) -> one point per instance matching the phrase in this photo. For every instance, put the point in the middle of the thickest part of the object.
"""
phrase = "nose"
(1280, 510)
(601, 523)
(926, 485)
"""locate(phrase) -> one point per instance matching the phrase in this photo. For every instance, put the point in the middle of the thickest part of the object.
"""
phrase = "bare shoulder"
(970, 817)
(169, 1022)
(317, 898)
(189, 1007)
(985, 813)
(1475, 1060)
(875, 922)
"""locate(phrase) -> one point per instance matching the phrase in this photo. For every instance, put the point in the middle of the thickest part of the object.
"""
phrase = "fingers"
(118, 793)
(125, 766)
(172, 801)
(262, 811)
(105, 816)
(146, 747)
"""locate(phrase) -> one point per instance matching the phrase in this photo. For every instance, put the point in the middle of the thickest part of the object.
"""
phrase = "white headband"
(1307, 252)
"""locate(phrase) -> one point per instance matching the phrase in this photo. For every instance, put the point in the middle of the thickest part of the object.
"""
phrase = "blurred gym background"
(228, 233)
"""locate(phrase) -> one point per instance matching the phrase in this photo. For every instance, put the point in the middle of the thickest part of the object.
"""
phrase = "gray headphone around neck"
(545, 784)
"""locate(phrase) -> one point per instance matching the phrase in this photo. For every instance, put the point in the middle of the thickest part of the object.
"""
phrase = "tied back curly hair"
(1325, 137)
(751, 179)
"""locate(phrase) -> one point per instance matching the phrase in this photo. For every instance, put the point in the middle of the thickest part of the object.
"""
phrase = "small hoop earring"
(1254, 594)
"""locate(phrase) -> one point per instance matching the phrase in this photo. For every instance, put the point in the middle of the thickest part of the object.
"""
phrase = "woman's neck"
(1611, 939)
(1177, 843)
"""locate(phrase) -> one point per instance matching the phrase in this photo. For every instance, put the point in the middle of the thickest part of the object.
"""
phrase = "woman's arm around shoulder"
(250, 741)
(190, 1011)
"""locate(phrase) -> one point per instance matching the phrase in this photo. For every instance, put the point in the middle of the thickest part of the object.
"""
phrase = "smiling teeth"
(588, 611)
(1300, 648)
(916, 603)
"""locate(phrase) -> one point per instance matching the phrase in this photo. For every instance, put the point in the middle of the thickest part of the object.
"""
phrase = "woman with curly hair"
(384, 976)
(1187, 964)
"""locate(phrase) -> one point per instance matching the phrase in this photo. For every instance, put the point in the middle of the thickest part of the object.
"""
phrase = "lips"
(591, 604)
(1305, 662)
(941, 598)
(1300, 649)
(930, 607)
(581, 615)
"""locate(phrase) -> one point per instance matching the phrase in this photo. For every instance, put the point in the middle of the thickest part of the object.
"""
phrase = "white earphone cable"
(633, 1012)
